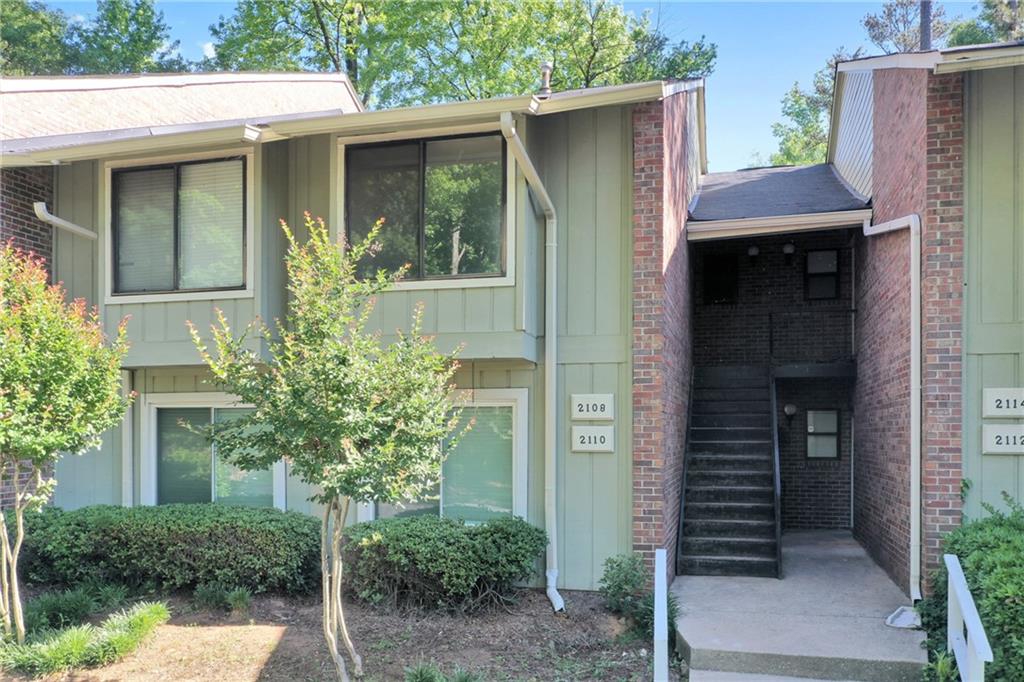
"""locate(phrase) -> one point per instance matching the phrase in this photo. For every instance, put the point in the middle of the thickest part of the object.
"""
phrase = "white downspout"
(526, 167)
(913, 222)
(47, 217)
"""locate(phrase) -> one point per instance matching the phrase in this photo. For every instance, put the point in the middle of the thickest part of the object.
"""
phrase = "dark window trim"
(808, 275)
(421, 236)
(176, 166)
(837, 434)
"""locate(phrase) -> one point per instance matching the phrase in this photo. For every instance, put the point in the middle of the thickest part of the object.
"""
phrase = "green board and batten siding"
(585, 159)
(994, 303)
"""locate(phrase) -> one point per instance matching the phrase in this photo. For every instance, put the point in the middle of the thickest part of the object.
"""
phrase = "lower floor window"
(484, 475)
(187, 468)
(823, 434)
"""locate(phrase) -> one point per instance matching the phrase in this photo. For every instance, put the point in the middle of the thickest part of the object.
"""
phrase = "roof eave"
(703, 230)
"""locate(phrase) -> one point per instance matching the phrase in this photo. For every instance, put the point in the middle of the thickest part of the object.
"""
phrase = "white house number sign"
(1003, 439)
(593, 407)
(1004, 402)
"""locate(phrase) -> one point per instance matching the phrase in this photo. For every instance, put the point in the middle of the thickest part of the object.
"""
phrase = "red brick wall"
(882, 391)
(19, 189)
(661, 322)
(942, 306)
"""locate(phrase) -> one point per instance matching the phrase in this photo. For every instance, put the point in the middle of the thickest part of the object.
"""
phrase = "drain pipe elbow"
(529, 171)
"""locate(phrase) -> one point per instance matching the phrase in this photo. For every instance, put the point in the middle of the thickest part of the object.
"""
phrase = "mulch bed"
(282, 640)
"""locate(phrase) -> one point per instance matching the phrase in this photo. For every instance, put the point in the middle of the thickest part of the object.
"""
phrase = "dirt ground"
(282, 641)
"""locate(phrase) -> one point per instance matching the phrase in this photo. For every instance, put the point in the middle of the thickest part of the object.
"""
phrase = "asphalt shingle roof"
(764, 192)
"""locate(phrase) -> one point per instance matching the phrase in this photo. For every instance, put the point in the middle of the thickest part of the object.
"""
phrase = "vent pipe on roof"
(545, 79)
(926, 25)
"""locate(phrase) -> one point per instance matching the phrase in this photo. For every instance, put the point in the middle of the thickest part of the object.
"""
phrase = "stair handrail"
(965, 634)
(776, 475)
(682, 482)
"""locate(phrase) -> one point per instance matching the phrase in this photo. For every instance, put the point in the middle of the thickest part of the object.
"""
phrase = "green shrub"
(174, 546)
(211, 596)
(623, 583)
(643, 617)
(991, 551)
(429, 672)
(239, 600)
(427, 561)
(85, 646)
(60, 609)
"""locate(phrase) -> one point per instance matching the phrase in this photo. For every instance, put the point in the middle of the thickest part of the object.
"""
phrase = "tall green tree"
(60, 389)
(803, 136)
(998, 21)
(397, 52)
(897, 28)
(357, 419)
(125, 36)
(33, 39)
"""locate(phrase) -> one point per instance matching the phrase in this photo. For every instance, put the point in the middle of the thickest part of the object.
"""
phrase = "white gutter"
(515, 145)
(913, 222)
(60, 223)
(697, 230)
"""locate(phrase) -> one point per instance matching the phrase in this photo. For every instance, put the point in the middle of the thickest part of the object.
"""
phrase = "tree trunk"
(335, 630)
(5, 602)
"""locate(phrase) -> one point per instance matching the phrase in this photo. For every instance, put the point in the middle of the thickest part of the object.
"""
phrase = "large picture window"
(483, 476)
(179, 227)
(182, 467)
(442, 201)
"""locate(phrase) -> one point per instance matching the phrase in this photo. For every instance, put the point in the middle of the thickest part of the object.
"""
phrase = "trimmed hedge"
(174, 546)
(432, 562)
(991, 551)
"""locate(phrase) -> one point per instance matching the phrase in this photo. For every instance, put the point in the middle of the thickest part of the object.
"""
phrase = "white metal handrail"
(965, 635)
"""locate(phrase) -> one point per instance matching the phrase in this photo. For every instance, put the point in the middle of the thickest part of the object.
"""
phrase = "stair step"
(737, 420)
(732, 407)
(710, 461)
(701, 395)
(728, 528)
(740, 376)
(727, 477)
(731, 434)
(728, 565)
(730, 493)
(725, 447)
(752, 511)
(694, 545)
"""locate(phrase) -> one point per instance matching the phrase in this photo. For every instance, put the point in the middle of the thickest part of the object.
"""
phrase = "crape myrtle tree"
(357, 418)
(60, 389)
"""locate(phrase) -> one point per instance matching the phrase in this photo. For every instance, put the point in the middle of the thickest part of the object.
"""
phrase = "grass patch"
(85, 646)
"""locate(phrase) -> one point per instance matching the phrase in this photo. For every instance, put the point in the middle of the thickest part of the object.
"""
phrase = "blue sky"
(763, 47)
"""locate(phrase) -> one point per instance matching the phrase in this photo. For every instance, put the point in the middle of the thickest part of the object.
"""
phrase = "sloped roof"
(48, 106)
(779, 191)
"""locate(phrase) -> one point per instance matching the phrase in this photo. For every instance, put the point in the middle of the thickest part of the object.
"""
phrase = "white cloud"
(209, 51)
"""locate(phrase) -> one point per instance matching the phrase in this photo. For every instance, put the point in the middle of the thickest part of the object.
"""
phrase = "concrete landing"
(719, 676)
(825, 619)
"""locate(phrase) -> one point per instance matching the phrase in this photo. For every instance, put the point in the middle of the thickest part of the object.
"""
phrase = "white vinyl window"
(484, 475)
(823, 434)
(179, 466)
(179, 227)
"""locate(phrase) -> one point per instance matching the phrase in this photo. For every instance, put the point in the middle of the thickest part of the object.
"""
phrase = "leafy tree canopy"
(124, 36)
(399, 53)
(998, 21)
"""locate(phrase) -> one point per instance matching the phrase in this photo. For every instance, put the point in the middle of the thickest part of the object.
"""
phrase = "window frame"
(808, 275)
(151, 402)
(250, 228)
(735, 264)
(519, 400)
(510, 193)
(838, 434)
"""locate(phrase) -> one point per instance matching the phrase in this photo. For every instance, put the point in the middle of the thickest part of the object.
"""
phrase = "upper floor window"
(179, 227)
(442, 201)
(822, 275)
(721, 278)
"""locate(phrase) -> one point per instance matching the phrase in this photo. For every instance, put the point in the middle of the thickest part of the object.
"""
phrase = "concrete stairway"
(729, 500)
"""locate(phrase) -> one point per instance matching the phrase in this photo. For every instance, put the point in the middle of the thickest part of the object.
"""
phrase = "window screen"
(188, 470)
(823, 434)
(476, 477)
(822, 277)
(721, 278)
(180, 227)
(442, 202)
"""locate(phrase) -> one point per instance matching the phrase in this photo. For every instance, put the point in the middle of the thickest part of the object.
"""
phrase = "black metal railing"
(777, 477)
(682, 483)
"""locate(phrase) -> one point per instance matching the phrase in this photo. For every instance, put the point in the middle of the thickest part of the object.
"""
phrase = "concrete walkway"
(825, 619)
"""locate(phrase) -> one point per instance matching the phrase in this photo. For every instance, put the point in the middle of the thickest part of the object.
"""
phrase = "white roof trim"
(158, 80)
(943, 61)
(909, 60)
(701, 230)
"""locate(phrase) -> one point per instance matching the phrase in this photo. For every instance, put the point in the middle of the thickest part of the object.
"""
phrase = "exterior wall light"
(789, 409)
(788, 249)
(753, 251)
